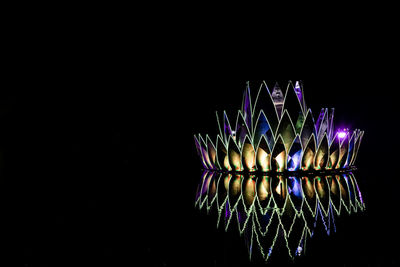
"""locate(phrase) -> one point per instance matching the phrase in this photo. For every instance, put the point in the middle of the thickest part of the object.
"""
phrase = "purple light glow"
(341, 135)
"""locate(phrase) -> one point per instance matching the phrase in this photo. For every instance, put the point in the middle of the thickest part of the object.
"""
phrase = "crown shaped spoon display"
(278, 133)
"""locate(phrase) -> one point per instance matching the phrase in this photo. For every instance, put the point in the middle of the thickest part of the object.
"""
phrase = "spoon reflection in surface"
(278, 208)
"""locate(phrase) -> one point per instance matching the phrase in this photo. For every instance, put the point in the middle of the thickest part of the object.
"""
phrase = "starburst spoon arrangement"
(278, 174)
(278, 133)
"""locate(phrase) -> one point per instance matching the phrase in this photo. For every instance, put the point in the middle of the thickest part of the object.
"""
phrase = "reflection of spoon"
(322, 189)
(204, 188)
(279, 191)
(359, 199)
(295, 192)
(264, 192)
(270, 210)
(244, 211)
(199, 190)
(351, 191)
(234, 190)
(344, 192)
(234, 195)
(222, 193)
(335, 193)
(309, 194)
(212, 190)
(249, 191)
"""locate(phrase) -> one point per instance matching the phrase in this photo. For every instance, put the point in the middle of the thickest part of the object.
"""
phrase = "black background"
(98, 162)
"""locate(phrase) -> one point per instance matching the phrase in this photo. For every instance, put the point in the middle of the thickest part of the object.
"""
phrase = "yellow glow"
(307, 159)
(281, 188)
(281, 160)
(235, 188)
(320, 160)
(264, 188)
(226, 163)
(212, 154)
(249, 157)
(333, 185)
(234, 160)
(333, 158)
(343, 151)
(249, 193)
(263, 160)
(342, 156)
(308, 188)
(321, 187)
(226, 181)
